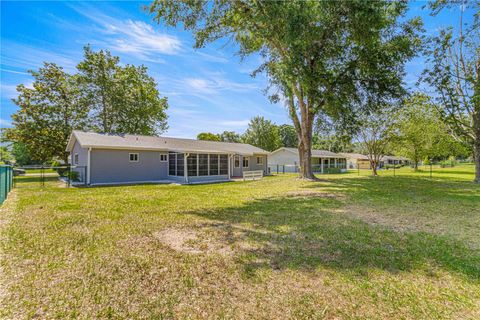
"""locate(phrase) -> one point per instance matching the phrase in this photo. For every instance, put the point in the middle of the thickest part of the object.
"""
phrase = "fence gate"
(49, 176)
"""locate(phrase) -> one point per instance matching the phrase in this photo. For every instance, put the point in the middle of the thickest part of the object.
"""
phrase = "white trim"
(166, 157)
(75, 158)
(89, 167)
(130, 157)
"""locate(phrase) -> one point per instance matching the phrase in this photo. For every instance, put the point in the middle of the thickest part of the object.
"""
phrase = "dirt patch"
(196, 241)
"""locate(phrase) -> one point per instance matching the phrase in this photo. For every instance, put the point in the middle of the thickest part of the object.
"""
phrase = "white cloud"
(133, 37)
(215, 85)
(4, 123)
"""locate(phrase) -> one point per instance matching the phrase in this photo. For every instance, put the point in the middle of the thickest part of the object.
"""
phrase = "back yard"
(346, 247)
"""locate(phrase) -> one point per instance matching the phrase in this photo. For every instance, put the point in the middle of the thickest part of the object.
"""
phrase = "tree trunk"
(373, 164)
(305, 155)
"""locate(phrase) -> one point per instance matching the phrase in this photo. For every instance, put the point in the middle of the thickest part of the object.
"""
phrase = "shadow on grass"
(403, 188)
(305, 233)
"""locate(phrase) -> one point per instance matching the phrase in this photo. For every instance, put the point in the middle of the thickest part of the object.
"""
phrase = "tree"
(263, 134)
(47, 113)
(454, 74)
(375, 133)
(139, 109)
(121, 99)
(102, 97)
(21, 154)
(288, 136)
(208, 136)
(422, 133)
(230, 136)
(317, 53)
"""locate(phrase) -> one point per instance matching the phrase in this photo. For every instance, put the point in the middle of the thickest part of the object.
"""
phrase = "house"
(322, 161)
(100, 158)
(393, 160)
(356, 161)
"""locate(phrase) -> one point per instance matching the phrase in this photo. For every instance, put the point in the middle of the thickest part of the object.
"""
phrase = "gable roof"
(139, 142)
(354, 155)
(315, 153)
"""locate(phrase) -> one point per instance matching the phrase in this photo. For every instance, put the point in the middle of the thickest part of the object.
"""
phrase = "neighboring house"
(122, 158)
(288, 159)
(393, 160)
(356, 160)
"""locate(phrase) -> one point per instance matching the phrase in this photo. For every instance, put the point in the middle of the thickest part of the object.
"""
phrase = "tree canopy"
(103, 96)
(262, 133)
(319, 55)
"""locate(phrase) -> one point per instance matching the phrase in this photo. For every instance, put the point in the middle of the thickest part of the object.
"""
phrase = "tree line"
(102, 96)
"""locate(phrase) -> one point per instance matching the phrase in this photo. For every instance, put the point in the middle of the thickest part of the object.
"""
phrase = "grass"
(349, 247)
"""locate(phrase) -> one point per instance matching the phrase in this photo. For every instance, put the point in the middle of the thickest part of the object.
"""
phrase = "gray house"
(102, 159)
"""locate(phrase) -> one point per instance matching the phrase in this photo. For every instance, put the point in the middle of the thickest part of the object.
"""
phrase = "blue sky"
(208, 89)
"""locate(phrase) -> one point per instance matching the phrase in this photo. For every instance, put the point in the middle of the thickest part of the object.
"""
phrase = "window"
(214, 164)
(172, 164)
(223, 164)
(237, 162)
(175, 164)
(259, 160)
(163, 158)
(75, 158)
(203, 164)
(133, 157)
(192, 165)
(245, 162)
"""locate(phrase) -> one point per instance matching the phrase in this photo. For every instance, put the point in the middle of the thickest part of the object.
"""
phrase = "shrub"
(73, 176)
(332, 170)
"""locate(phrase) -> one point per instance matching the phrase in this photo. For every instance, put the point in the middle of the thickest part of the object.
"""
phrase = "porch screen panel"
(192, 165)
(214, 164)
(180, 164)
(223, 164)
(203, 164)
(172, 162)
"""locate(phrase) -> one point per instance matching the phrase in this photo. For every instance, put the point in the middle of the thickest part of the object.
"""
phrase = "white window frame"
(235, 161)
(130, 157)
(75, 158)
(164, 155)
(243, 162)
(259, 160)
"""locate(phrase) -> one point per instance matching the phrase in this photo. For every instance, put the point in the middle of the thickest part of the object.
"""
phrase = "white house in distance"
(356, 160)
(323, 161)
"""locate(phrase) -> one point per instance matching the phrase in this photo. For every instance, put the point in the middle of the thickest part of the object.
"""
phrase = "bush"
(73, 176)
(332, 170)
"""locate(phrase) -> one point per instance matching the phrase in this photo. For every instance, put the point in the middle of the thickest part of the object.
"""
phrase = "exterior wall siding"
(114, 166)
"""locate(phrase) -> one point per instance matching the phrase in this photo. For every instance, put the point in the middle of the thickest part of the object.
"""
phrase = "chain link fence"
(6, 181)
(44, 176)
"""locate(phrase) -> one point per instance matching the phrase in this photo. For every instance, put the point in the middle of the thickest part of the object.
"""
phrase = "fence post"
(42, 177)
(394, 170)
(283, 169)
(69, 170)
(430, 170)
(277, 168)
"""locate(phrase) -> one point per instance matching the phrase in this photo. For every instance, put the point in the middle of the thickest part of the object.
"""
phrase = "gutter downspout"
(88, 166)
(230, 156)
(185, 167)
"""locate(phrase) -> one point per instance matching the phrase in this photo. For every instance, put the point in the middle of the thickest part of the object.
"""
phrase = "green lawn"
(349, 247)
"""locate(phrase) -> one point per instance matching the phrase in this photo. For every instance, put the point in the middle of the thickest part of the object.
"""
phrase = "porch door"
(237, 166)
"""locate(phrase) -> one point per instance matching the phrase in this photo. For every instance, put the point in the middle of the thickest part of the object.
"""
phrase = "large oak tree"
(321, 56)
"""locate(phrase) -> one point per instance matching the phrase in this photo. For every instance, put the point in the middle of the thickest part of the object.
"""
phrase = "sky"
(208, 89)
